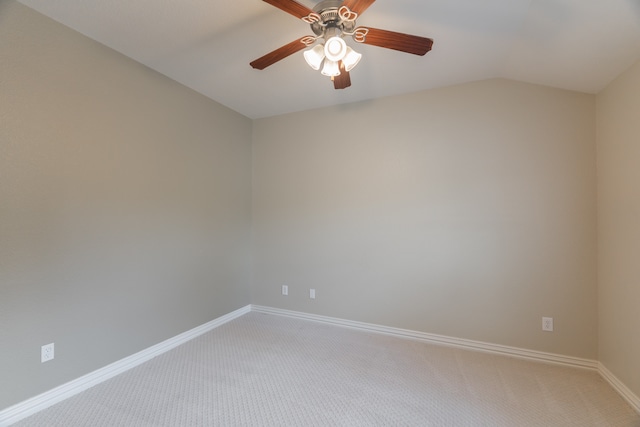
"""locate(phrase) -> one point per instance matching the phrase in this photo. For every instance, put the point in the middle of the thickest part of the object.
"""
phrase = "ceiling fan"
(331, 21)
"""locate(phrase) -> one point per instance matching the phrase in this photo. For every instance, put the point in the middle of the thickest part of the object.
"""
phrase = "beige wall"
(618, 136)
(467, 211)
(124, 205)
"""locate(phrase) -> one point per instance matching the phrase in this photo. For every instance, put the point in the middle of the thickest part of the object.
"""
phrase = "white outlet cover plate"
(47, 353)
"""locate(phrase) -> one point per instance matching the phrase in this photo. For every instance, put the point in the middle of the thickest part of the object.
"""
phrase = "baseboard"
(619, 386)
(576, 362)
(30, 406)
(438, 339)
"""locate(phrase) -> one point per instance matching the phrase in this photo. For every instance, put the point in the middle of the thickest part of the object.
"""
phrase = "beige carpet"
(267, 370)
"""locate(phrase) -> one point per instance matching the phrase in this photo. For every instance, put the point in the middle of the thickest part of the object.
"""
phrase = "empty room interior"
(154, 187)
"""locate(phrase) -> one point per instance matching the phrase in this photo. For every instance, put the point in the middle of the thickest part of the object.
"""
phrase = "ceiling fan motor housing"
(328, 10)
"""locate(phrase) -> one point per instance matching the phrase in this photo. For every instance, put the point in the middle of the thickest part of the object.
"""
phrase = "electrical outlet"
(46, 353)
(547, 324)
(285, 290)
(312, 293)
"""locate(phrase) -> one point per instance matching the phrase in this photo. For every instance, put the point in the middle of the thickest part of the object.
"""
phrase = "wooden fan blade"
(278, 54)
(343, 80)
(358, 6)
(290, 6)
(398, 41)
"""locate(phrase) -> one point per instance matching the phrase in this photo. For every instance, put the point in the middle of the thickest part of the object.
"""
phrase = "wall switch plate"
(312, 293)
(547, 324)
(285, 290)
(46, 353)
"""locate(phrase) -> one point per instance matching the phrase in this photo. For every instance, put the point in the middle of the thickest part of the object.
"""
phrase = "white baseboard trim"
(619, 386)
(576, 362)
(42, 401)
(438, 339)
(30, 406)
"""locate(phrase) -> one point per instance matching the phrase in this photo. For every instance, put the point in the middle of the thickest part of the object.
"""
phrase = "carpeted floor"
(267, 370)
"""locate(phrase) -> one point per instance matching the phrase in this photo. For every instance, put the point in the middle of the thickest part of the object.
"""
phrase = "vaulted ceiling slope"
(207, 45)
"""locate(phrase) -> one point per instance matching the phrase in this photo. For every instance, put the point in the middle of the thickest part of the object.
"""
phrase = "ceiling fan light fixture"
(335, 48)
(330, 69)
(351, 59)
(314, 56)
(331, 20)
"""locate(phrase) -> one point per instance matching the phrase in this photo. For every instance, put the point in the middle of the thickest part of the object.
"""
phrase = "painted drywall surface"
(467, 211)
(618, 142)
(124, 205)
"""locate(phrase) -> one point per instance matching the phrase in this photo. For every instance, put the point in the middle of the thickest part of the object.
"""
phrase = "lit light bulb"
(335, 49)
(314, 56)
(351, 59)
(330, 68)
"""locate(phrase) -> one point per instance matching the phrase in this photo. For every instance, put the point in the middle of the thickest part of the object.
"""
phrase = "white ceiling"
(207, 45)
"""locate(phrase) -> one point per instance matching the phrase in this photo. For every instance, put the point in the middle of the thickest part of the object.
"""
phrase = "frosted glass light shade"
(335, 49)
(351, 59)
(330, 68)
(314, 56)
